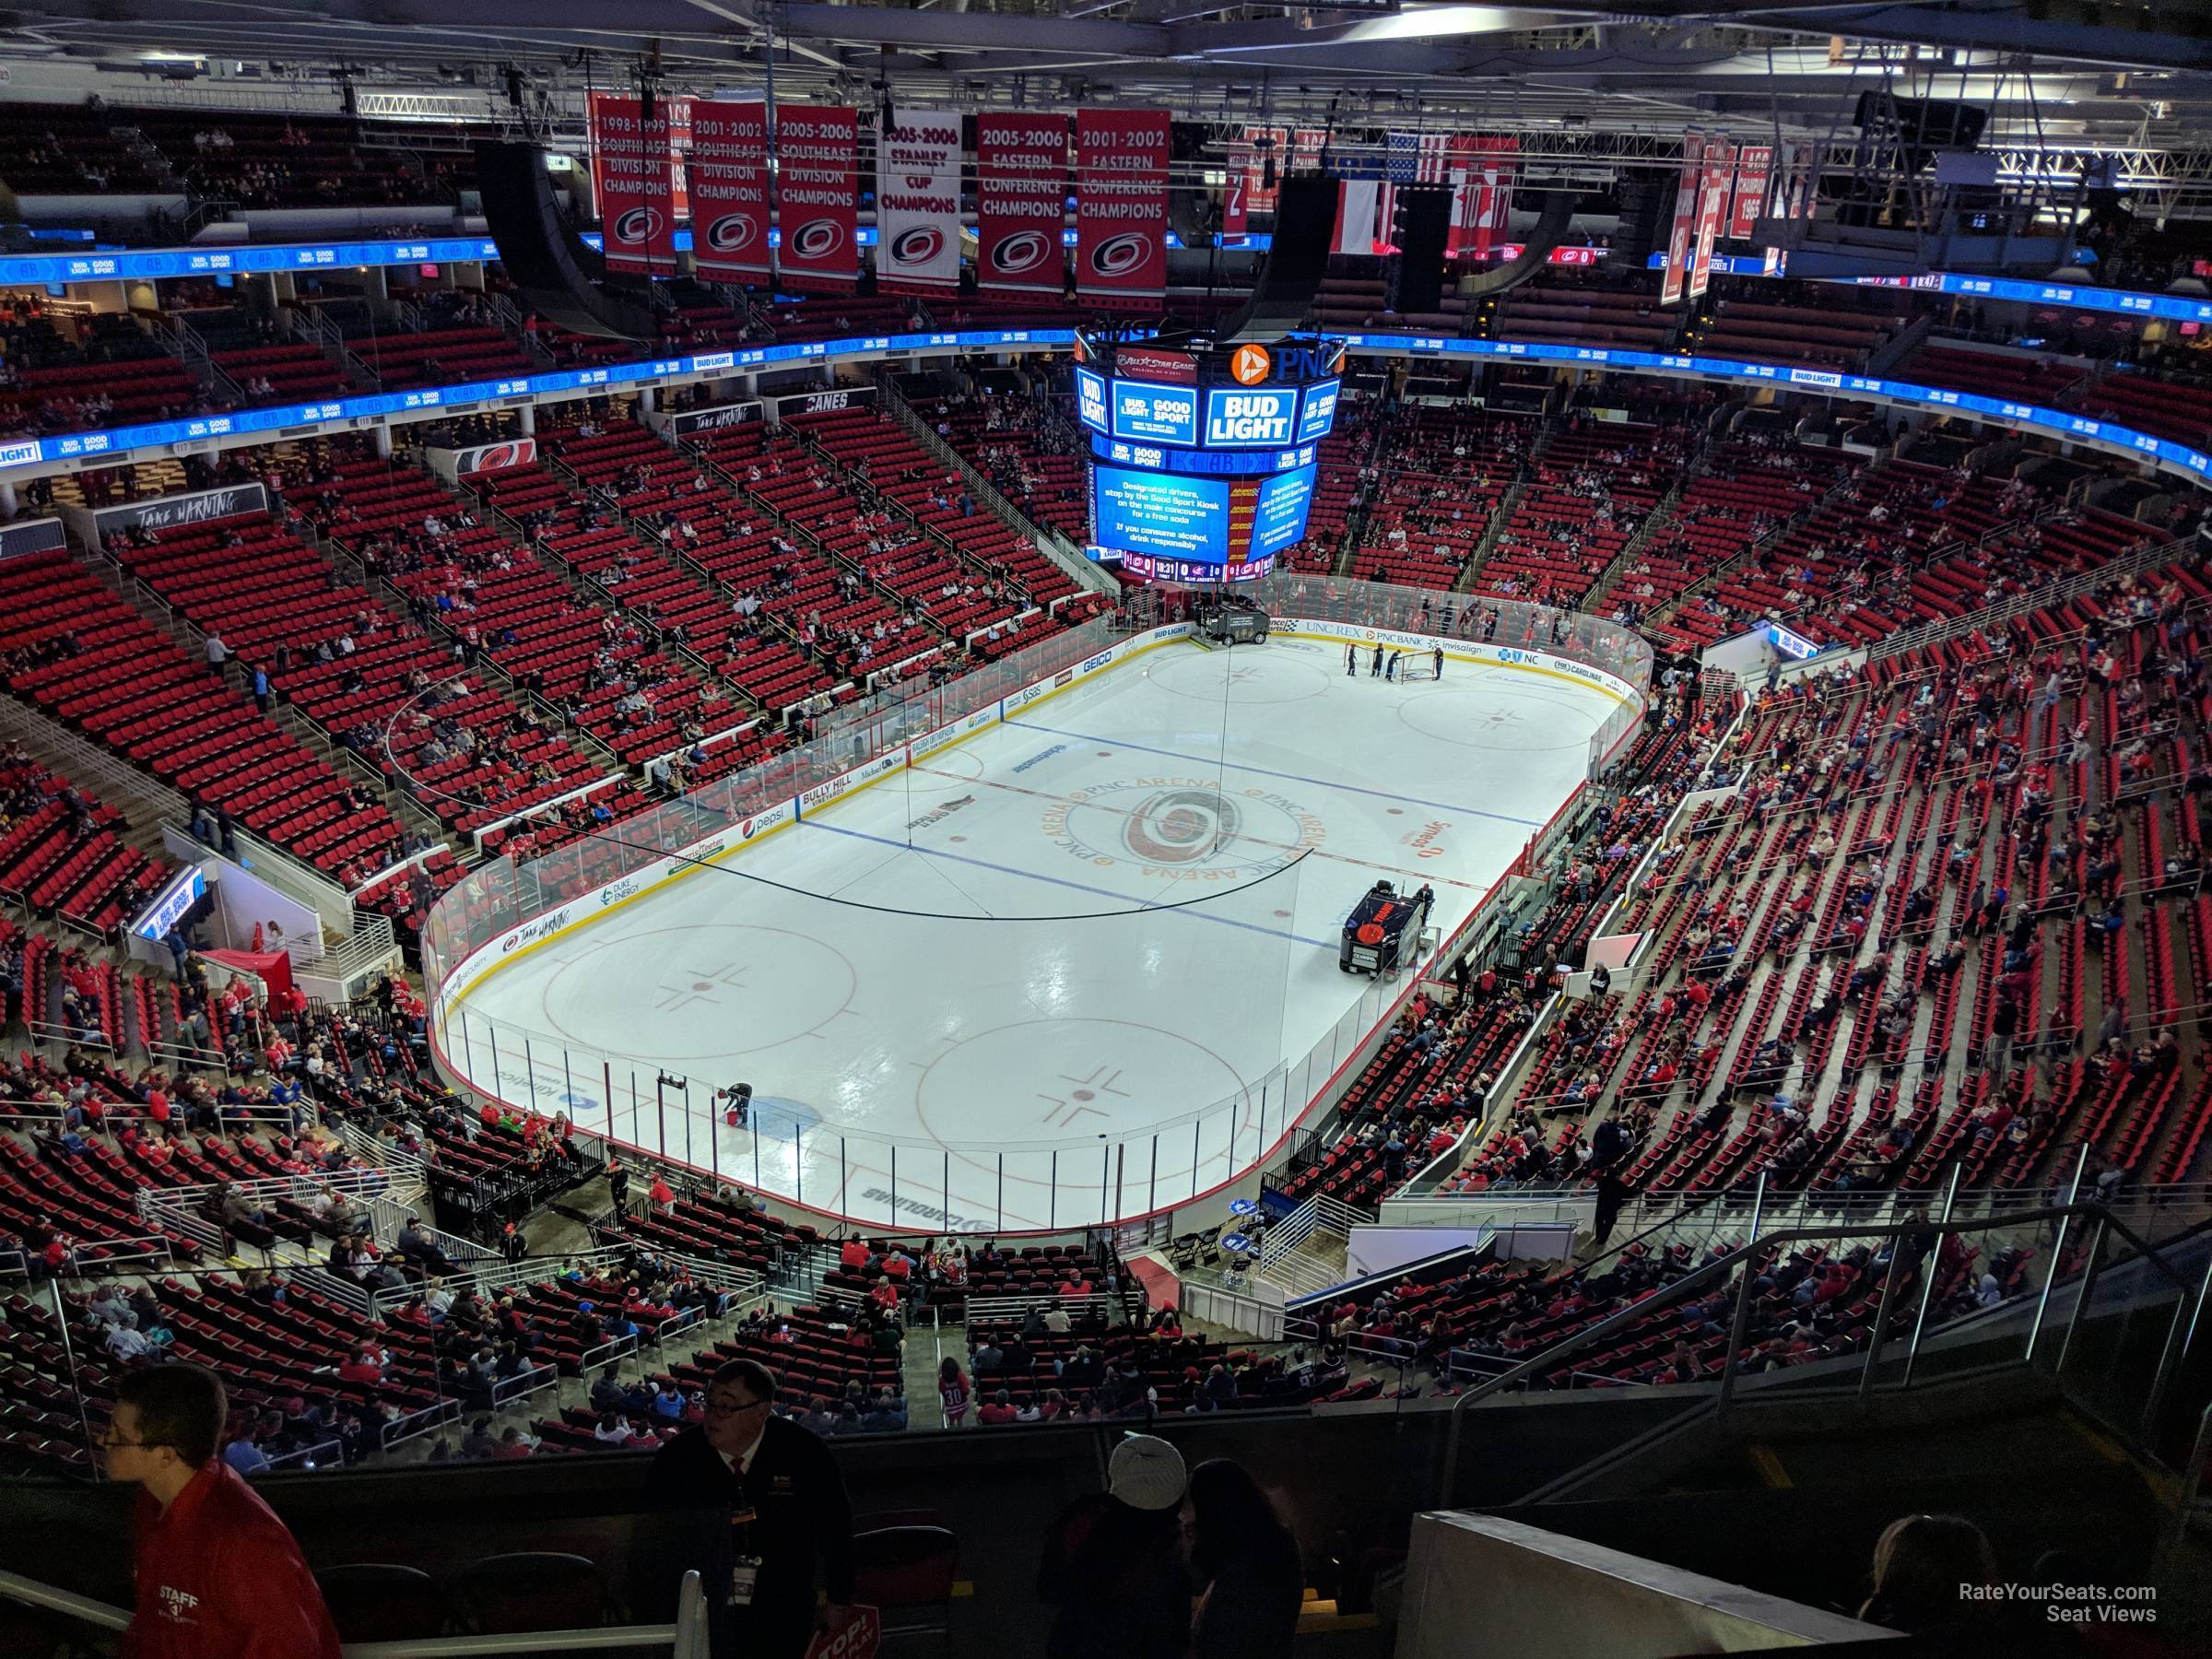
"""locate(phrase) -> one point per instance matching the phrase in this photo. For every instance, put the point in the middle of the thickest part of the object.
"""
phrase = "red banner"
(1020, 203)
(1712, 207)
(1753, 169)
(1122, 207)
(729, 190)
(634, 177)
(818, 193)
(1681, 237)
(1235, 194)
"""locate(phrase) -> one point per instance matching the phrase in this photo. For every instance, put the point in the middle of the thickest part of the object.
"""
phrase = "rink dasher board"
(518, 942)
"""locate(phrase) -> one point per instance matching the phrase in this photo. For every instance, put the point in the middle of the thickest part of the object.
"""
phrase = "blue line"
(985, 864)
(1262, 772)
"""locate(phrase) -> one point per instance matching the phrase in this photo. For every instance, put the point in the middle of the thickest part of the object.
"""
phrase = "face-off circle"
(1183, 829)
(1061, 1080)
(689, 994)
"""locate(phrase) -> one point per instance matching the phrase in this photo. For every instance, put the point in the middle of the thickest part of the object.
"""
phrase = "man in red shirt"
(219, 1575)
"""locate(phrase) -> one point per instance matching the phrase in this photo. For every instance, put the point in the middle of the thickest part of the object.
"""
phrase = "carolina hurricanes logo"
(1180, 826)
(817, 239)
(918, 246)
(732, 234)
(502, 454)
(639, 226)
(1023, 250)
(1118, 255)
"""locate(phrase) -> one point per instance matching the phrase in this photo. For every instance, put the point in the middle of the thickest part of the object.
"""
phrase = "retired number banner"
(918, 202)
(1682, 232)
(1020, 203)
(1712, 207)
(817, 188)
(1122, 207)
(729, 190)
(634, 177)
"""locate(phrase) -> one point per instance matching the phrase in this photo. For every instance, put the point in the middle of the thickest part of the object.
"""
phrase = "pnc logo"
(1248, 365)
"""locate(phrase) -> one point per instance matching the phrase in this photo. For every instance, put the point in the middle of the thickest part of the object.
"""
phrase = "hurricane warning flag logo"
(1024, 250)
(1118, 255)
(732, 234)
(817, 239)
(918, 246)
(638, 227)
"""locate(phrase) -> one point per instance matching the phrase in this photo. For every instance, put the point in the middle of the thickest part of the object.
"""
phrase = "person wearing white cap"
(1112, 1563)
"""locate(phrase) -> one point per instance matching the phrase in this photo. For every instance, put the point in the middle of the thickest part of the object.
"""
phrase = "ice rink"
(1078, 966)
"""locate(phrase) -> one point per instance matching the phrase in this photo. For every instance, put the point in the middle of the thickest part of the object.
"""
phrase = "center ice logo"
(1183, 829)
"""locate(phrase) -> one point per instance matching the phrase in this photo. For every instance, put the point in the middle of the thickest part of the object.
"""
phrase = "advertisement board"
(1159, 414)
(1162, 514)
(1279, 518)
(1090, 400)
(1254, 418)
(1317, 413)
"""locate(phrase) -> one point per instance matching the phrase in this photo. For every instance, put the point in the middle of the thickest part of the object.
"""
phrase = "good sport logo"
(638, 226)
(1118, 255)
(817, 239)
(917, 247)
(733, 232)
(1023, 250)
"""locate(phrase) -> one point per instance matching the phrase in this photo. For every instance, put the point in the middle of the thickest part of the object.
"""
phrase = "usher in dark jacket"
(800, 1493)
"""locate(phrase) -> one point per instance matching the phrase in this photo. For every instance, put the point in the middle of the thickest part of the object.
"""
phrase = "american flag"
(1412, 158)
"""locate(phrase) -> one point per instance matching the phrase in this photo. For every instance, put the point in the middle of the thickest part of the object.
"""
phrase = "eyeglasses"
(109, 1441)
(731, 1407)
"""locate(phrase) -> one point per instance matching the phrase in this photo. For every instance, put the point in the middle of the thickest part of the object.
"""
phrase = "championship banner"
(1681, 237)
(1712, 207)
(1236, 193)
(729, 190)
(1752, 171)
(817, 190)
(1486, 197)
(1020, 203)
(635, 180)
(1122, 207)
(918, 202)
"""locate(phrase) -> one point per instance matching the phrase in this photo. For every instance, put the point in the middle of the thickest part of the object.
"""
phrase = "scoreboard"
(1202, 455)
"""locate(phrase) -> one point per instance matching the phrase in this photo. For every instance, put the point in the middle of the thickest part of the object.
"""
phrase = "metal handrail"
(686, 1637)
(1721, 1267)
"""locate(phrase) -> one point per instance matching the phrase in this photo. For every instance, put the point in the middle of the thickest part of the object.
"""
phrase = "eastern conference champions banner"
(635, 178)
(918, 202)
(817, 185)
(1020, 201)
(729, 190)
(1121, 205)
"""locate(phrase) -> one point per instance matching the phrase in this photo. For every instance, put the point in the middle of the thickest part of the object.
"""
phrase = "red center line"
(1433, 878)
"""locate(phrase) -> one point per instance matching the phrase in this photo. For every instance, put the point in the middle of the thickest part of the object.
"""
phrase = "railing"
(1054, 546)
(686, 1637)
(2035, 599)
(1923, 1237)
(114, 780)
(1280, 1262)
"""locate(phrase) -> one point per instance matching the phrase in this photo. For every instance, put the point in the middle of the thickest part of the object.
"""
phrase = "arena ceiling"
(1591, 86)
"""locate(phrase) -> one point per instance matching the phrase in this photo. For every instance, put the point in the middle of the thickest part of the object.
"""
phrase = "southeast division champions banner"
(729, 190)
(817, 189)
(1020, 203)
(1122, 207)
(635, 176)
(918, 202)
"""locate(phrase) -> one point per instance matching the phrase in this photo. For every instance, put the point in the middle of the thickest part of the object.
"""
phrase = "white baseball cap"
(1146, 1473)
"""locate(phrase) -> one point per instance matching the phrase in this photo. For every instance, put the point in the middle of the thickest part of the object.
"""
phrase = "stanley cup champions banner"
(729, 190)
(918, 202)
(817, 189)
(1020, 202)
(1122, 207)
(635, 176)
